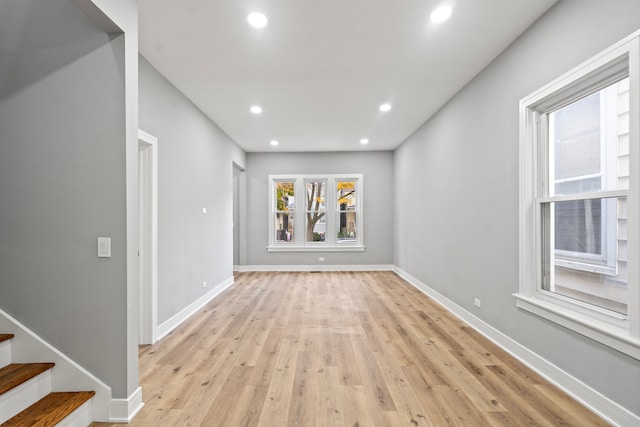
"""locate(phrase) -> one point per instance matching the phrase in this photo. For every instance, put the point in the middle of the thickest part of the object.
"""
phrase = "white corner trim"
(123, 410)
(606, 408)
(372, 267)
(27, 347)
(191, 309)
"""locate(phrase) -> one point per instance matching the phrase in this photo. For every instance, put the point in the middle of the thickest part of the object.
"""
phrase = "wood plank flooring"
(339, 349)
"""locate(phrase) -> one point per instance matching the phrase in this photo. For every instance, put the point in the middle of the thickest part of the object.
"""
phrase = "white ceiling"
(321, 69)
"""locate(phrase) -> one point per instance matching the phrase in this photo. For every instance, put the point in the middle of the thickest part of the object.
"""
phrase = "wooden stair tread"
(4, 337)
(50, 410)
(15, 374)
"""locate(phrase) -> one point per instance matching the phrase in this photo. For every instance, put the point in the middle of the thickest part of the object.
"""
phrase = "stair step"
(11, 376)
(5, 337)
(50, 410)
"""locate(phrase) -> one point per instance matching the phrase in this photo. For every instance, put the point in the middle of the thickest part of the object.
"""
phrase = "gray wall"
(461, 168)
(377, 168)
(62, 183)
(195, 171)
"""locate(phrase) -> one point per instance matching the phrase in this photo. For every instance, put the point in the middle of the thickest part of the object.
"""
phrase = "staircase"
(26, 397)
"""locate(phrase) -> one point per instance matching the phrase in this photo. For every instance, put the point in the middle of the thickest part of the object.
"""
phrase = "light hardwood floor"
(338, 349)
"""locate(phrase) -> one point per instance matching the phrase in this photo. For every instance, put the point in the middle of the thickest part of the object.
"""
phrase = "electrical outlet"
(204, 284)
(476, 301)
(321, 259)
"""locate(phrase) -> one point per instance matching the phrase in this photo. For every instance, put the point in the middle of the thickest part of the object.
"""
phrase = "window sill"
(613, 336)
(316, 248)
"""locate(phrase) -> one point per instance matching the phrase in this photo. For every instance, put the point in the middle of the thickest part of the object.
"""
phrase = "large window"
(329, 212)
(579, 209)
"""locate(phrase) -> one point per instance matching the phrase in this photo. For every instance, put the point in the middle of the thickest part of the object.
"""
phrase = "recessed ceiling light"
(256, 109)
(257, 20)
(274, 142)
(364, 141)
(385, 107)
(441, 14)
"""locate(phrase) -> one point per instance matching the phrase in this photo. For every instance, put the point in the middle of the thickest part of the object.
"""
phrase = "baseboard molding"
(188, 311)
(28, 347)
(123, 410)
(587, 396)
(315, 267)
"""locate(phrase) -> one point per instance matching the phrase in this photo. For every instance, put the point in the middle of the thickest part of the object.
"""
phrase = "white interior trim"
(27, 347)
(587, 396)
(148, 236)
(317, 248)
(191, 309)
(373, 267)
(123, 410)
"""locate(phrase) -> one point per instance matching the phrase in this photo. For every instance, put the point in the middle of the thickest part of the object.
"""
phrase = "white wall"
(65, 92)
(195, 171)
(461, 167)
(377, 168)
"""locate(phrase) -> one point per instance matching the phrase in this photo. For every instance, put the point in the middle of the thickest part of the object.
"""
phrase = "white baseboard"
(315, 267)
(587, 396)
(188, 311)
(123, 410)
(28, 347)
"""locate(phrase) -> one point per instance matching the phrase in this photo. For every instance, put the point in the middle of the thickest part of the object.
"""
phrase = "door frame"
(148, 236)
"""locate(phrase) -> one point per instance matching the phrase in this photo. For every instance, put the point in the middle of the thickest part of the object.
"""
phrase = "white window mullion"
(330, 209)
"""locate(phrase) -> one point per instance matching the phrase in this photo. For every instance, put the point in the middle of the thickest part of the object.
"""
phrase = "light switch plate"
(104, 247)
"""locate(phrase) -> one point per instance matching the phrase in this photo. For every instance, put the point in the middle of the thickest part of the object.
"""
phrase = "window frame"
(331, 243)
(619, 331)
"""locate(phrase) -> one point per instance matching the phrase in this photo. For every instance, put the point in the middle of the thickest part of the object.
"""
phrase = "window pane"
(284, 227)
(587, 258)
(577, 138)
(588, 143)
(285, 196)
(347, 230)
(346, 203)
(346, 195)
(315, 210)
(317, 232)
(578, 226)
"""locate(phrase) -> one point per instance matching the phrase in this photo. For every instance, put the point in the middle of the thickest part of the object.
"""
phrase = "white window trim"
(612, 329)
(331, 243)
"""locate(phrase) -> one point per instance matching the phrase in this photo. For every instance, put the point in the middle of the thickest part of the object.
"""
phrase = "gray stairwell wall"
(460, 170)
(195, 171)
(62, 183)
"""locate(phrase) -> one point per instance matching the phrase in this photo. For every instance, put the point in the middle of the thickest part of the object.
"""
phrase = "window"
(347, 197)
(579, 208)
(284, 211)
(330, 218)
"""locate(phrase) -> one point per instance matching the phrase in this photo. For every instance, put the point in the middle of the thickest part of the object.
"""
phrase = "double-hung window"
(329, 212)
(579, 199)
